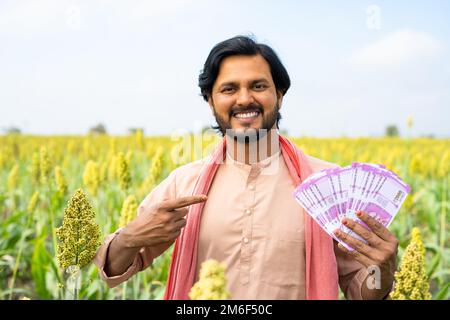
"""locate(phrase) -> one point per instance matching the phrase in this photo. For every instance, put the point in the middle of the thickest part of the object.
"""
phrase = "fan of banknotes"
(333, 194)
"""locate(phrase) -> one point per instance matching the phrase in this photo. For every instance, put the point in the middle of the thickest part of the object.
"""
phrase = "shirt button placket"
(246, 236)
(245, 261)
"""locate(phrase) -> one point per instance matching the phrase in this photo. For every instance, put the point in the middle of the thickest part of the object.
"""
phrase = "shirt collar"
(260, 164)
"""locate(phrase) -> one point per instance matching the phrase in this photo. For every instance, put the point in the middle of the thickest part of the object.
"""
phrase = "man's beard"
(248, 134)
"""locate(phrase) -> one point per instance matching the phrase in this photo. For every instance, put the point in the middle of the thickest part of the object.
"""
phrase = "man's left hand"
(380, 250)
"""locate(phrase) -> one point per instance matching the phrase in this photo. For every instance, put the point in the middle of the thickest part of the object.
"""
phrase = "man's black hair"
(242, 45)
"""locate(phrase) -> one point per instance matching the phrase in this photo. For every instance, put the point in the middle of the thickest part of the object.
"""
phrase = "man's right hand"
(159, 223)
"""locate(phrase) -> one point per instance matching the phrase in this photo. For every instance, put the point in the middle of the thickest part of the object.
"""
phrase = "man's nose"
(244, 97)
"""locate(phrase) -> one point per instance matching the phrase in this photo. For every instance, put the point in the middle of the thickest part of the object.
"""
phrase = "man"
(241, 210)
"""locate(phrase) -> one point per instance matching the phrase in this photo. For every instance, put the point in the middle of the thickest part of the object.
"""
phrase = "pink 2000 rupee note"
(330, 195)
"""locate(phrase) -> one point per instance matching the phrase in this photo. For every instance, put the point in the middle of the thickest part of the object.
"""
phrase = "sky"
(355, 66)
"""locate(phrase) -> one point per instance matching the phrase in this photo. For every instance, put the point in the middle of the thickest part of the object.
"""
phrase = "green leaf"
(433, 265)
(39, 268)
(444, 293)
(441, 273)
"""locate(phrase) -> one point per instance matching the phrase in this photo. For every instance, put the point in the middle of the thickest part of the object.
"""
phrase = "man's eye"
(227, 90)
(259, 86)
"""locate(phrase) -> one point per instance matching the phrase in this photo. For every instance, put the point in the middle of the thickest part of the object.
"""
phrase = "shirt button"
(251, 187)
(245, 240)
(248, 211)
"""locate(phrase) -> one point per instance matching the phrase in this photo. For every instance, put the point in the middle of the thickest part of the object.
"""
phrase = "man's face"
(244, 96)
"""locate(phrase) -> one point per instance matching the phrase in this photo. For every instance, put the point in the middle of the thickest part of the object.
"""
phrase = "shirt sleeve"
(352, 275)
(164, 191)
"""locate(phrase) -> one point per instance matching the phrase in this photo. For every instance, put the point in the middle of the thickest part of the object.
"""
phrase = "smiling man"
(236, 206)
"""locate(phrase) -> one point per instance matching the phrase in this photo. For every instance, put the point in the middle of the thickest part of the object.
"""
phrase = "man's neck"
(254, 151)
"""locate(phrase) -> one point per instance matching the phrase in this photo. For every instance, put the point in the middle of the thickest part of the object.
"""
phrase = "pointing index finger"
(183, 202)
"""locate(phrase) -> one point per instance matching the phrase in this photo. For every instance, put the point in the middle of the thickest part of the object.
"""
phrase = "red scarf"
(321, 268)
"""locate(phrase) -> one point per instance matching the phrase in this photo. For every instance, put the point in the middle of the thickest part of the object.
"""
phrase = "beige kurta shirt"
(252, 223)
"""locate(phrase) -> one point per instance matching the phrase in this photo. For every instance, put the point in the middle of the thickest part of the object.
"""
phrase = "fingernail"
(344, 222)
(359, 213)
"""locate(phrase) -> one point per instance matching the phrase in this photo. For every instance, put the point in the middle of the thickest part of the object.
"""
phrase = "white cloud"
(398, 48)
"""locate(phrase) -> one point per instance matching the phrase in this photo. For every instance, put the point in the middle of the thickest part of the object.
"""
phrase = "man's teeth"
(247, 115)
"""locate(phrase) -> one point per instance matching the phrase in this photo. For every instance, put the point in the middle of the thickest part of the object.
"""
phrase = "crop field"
(39, 175)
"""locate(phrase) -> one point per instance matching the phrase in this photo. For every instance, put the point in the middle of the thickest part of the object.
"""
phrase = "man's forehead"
(243, 68)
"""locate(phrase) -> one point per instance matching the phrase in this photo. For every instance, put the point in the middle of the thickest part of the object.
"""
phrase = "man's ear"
(279, 99)
(210, 102)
